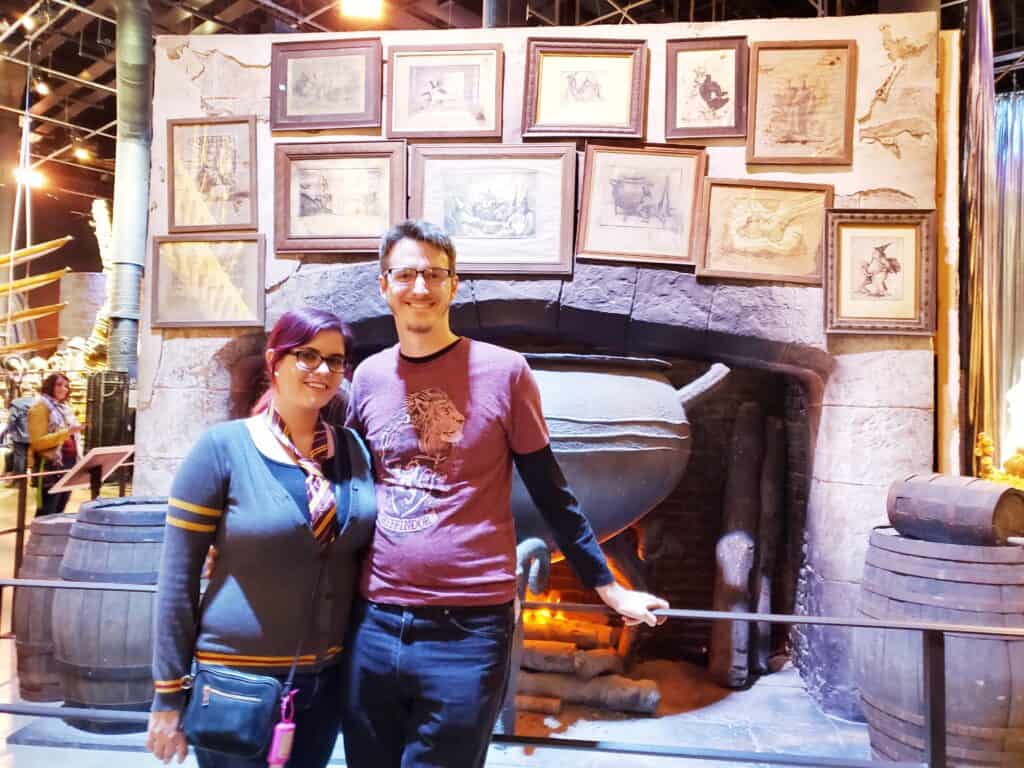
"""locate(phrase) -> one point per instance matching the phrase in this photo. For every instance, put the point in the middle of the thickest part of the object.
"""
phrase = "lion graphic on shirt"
(438, 425)
(437, 421)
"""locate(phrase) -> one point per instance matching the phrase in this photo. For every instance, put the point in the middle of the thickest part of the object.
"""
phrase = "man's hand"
(164, 739)
(634, 607)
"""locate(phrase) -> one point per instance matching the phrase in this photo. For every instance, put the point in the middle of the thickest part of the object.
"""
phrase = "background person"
(53, 436)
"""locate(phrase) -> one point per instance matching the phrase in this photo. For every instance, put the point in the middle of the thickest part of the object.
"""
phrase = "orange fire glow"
(543, 615)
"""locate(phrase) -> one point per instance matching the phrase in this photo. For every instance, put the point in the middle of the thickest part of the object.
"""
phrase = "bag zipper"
(208, 689)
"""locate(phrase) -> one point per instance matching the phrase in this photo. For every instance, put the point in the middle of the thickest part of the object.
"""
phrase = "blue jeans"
(317, 718)
(425, 684)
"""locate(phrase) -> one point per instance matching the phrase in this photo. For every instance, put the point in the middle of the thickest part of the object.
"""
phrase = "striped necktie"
(320, 491)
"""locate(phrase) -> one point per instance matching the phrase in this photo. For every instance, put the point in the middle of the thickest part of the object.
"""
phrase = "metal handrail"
(933, 649)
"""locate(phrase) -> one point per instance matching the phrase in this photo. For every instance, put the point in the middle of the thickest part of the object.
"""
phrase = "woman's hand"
(634, 607)
(164, 739)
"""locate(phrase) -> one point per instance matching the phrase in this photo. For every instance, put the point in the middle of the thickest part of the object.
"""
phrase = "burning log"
(549, 656)
(607, 692)
(582, 634)
(603, 661)
(543, 704)
(773, 490)
(728, 664)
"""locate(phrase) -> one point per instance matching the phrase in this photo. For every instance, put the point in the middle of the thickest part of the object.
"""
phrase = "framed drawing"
(706, 87)
(801, 102)
(211, 174)
(763, 230)
(508, 207)
(881, 272)
(207, 280)
(338, 197)
(585, 88)
(639, 204)
(445, 91)
(325, 84)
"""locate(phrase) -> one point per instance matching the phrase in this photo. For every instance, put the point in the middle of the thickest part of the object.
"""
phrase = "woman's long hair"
(50, 384)
(296, 328)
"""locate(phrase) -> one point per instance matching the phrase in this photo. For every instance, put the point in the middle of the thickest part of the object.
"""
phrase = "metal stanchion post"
(933, 646)
(19, 536)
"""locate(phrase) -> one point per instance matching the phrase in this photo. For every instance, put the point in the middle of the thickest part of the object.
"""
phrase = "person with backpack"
(16, 432)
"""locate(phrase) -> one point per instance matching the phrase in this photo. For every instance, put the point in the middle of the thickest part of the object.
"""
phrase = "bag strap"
(309, 625)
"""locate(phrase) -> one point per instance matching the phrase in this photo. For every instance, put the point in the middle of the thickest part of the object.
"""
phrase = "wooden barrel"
(103, 640)
(38, 679)
(907, 579)
(955, 510)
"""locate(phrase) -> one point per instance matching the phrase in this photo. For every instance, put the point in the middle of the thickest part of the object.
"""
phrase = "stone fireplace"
(858, 412)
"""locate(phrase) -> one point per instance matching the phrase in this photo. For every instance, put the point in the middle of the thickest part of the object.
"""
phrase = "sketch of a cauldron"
(633, 197)
(620, 432)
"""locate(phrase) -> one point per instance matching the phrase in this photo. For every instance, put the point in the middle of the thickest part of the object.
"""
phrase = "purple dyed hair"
(296, 328)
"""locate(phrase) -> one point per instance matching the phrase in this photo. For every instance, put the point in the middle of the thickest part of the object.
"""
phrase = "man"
(445, 418)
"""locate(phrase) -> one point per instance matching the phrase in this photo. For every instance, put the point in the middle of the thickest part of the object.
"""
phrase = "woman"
(256, 488)
(53, 435)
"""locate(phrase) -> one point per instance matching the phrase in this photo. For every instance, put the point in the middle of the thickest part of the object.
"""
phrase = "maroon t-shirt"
(442, 431)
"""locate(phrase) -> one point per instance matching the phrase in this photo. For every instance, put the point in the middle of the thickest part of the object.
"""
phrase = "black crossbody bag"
(233, 712)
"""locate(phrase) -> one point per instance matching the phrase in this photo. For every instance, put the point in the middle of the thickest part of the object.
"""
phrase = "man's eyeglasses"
(407, 275)
(308, 359)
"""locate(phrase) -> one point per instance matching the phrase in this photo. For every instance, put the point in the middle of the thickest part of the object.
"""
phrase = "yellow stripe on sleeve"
(200, 527)
(195, 508)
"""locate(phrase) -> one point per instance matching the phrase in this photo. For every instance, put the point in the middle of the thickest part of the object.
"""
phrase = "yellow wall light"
(362, 9)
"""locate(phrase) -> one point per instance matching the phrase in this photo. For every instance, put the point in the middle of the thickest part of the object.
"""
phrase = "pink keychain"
(284, 732)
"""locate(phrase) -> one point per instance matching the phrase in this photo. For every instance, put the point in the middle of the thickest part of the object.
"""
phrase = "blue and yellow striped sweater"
(257, 605)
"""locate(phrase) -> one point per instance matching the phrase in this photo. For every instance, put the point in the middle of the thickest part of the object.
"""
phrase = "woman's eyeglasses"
(308, 359)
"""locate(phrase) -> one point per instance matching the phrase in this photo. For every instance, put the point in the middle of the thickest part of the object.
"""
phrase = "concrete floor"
(773, 715)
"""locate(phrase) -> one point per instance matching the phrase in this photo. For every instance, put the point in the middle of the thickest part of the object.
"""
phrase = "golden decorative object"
(1012, 472)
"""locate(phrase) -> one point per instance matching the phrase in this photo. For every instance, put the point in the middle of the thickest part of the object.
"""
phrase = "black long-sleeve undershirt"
(560, 509)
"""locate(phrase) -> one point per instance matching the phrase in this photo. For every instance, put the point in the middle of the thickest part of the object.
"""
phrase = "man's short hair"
(421, 231)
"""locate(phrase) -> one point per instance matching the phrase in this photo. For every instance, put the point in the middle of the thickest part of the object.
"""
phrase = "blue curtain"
(1010, 250)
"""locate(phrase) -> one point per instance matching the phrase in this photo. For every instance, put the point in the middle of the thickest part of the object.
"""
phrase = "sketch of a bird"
(712, 93)
(435, 91)
(899, 47)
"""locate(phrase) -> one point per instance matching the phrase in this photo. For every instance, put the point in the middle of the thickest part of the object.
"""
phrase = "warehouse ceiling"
(71, 45)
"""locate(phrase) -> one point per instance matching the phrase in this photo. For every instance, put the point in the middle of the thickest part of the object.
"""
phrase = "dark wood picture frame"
(924, 289)
(285, 240)
(562, 155)
(281, 53)
(173, 194)
(539, 47)
(736, 90)
(495, 92)
(701, 242)
(845, 155)
(635, 207)
(258, 300)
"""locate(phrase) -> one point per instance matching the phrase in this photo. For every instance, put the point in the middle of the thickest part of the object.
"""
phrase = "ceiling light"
(29, 177)
(28, 23)
(82, 152)
(40, 86)
(362, 9)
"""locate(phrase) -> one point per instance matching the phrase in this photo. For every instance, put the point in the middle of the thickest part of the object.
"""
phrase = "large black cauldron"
(620, 432)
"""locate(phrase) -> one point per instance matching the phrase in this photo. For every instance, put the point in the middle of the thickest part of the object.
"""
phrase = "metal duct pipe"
(131, 177)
